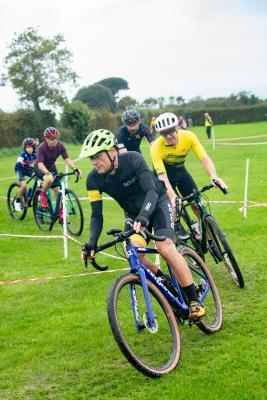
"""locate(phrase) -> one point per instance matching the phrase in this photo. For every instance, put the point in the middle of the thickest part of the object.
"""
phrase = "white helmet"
(166, 121)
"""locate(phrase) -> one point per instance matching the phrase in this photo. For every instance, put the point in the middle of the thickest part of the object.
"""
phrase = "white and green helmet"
(96, 141)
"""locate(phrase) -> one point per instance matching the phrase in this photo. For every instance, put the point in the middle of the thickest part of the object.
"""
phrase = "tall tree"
(96, 96)
(114, 84)
(127, 102)
(38, 67)
(150, 102)
(77, 116)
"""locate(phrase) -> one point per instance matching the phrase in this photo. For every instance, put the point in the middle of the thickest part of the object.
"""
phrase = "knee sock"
(190, 292)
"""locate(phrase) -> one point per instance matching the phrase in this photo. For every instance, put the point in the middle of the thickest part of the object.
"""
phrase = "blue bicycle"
(145, 316)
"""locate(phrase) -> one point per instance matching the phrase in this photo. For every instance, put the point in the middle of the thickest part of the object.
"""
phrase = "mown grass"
(55, 340)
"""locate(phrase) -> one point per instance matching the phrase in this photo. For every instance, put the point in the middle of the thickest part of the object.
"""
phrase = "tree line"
(39, 69)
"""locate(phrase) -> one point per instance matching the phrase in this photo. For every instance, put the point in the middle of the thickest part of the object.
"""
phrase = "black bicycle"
(45, 218)
(206, 236)
(26, 199)
(145, 315)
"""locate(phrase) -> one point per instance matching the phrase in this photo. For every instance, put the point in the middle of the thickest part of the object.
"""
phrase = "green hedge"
(220, 115)
(14, 127)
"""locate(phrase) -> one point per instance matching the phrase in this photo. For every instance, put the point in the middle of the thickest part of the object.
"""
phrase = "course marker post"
(213, 137)
(246, 190)
(65, 240)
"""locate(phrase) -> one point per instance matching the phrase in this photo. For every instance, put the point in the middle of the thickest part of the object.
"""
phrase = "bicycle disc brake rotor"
(152, 329)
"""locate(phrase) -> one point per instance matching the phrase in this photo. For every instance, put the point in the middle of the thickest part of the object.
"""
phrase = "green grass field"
(55, 339)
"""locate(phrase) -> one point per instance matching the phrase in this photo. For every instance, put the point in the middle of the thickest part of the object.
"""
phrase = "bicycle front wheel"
(154, 351)
(207, 291)
(221, 251)
(11, 198)
(43, 216)
(74, 213)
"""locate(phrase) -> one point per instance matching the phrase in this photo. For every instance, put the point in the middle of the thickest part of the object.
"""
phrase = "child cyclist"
(24, 167)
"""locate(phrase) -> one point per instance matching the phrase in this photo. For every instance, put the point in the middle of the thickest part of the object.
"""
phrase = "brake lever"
(85, 261)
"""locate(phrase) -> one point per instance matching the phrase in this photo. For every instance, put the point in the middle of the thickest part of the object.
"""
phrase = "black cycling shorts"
(183, 181)
(54, 171)
(22, 172)
(162, 218)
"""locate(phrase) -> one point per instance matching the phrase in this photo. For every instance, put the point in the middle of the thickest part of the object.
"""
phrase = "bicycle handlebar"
(197, 192)
(61, 175)
(121, 236)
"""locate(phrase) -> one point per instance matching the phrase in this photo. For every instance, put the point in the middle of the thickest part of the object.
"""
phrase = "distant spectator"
(208, 124)
(152, 125)
(182, 123)
(190, 122)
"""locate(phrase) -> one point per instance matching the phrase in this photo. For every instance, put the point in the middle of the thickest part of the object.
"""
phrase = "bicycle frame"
(203, 214)
(177, 302)
(29, 199)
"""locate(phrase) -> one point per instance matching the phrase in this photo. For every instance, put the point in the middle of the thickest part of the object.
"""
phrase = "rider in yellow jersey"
(168, 153)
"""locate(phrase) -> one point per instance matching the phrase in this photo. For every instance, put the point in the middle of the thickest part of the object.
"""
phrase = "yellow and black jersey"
(166, 159)
(133, 186)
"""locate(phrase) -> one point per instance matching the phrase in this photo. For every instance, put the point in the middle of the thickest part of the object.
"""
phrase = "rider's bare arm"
(171, 193)
(211, 170)
(42, 168)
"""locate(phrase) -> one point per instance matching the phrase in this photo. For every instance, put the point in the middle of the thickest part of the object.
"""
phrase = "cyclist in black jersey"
(130, 135)
(127, 178)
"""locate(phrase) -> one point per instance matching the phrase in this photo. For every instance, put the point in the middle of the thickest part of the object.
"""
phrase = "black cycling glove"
(144, 221)
(87, 248)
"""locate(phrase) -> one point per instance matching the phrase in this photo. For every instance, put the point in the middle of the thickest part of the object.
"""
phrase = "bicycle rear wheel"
(11, 197)
(153, 352)
(43, 216)
(221, 251)
(207, 291)
(74, 213)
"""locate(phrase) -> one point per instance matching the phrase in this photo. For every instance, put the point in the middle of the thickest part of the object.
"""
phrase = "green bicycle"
(45, 218)
(207, 235)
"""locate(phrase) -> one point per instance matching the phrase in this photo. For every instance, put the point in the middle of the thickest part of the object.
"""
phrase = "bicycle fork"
(149, 318)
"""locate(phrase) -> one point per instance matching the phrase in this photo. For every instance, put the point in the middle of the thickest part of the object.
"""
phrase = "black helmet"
(130, 117)
(29, 142)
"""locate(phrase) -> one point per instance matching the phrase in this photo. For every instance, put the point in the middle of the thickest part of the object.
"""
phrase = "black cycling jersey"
(133, 186)
(132, 141)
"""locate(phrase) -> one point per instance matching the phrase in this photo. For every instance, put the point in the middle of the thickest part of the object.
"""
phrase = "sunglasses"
(96, 156)
(52, 138)
(169, 132)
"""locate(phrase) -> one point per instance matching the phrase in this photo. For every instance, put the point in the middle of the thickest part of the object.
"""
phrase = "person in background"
(24, 167)
(208, 124)
(182, 123)
(189, 122)
(152, 125)
(45, 167)
(130, 135)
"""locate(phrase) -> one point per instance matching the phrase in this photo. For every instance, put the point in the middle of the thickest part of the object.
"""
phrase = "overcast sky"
(160, 47)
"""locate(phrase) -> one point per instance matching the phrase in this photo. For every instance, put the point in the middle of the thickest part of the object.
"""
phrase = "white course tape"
(48, 278)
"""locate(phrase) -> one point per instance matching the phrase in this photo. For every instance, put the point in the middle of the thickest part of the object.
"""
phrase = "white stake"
(246, 190)
(213, 138)
(66, 177)
(64, 220)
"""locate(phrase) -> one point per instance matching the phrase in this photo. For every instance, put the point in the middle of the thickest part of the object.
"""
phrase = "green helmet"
(96, 141)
